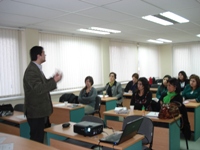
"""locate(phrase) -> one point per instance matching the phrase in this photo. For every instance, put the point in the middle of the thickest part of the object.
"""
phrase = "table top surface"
(68, 132)
(105, 99)
(68, 106)
(140, 113)
(192, 105)
(20, 143)
(17, 117)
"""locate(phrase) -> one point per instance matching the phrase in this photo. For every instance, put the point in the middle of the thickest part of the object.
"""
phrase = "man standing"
(38, 105)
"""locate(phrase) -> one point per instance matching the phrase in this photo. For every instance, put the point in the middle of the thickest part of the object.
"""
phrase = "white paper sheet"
(152, 114)
(2, 139)
(8, 146)
(21, 117)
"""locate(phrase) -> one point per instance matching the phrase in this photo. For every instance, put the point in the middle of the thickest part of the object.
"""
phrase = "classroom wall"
(30, 37)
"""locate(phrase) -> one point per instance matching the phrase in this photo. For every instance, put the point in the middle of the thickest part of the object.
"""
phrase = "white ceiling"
(68, 16)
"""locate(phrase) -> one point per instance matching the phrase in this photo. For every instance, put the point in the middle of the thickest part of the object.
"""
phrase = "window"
(123, 60)
(148, 58)
(9, 63)
(75, 57)
(186, 58)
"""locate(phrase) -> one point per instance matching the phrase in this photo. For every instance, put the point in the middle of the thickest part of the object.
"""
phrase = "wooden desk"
(166, 131)
(127, 99)
(15, 124)
(23, 144)
(56, 133)
(193, 109)
(110, 103)
(62, 113)
(154, 89)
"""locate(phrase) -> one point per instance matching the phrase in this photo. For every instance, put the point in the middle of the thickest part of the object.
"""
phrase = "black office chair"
(19, 107)
(97, 107)
(146, 128)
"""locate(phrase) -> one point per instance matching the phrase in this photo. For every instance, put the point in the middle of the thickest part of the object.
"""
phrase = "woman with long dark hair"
(142, 97)
(162, 89)
(183, 79)
(88, 95)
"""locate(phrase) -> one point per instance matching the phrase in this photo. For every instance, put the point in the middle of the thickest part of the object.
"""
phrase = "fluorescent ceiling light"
(164, 40)
(94, 31)
(105, 30)
(155, 41)
(174, 17)
(157, 20)
(198, 35)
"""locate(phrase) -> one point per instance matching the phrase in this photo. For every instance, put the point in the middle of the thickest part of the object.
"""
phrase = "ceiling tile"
(28, 10)
(64, 5)
(100, 2)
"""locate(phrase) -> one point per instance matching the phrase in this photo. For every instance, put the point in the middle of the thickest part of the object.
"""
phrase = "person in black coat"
(183, 79)
(141, 99)
(173, 95)
(131, 87)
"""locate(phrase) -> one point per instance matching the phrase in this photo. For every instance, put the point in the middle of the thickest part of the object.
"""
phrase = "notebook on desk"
(129, 131)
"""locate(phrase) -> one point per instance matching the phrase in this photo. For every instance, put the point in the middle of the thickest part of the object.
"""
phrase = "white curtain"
(148, 58)
(75, 57)
(186, 57)
(123, 60)
(9, 63)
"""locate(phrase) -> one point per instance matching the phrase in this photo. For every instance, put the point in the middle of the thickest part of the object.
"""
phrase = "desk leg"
(196, 123)
(174, 136)
(25, 130)
(76, 115)
(110, 105)
(54, 136)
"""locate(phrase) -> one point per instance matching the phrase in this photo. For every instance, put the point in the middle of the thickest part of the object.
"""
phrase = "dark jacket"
(188, 93)
(140, 101)
(186, 83)
(36, 89)
(131, 87)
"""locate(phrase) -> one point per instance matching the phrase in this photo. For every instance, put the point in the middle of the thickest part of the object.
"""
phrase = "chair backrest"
(146, 128)
(93, 119)
(97, 103)
(69, 97)
(19, 107)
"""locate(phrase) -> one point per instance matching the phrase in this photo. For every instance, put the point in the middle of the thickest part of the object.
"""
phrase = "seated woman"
(113, 88)
(131, 87)
(162, 89)
(88, 95)
(142, 97)
(183, 79)
(192, 90)
(173, 95)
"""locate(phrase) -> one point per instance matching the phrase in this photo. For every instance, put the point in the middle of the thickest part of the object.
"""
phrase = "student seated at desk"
(183, 79)
(192, 90)
(113, 88)
(142, 97)
(88, 95)
(131, 87)
(173, 95)
(162, 89)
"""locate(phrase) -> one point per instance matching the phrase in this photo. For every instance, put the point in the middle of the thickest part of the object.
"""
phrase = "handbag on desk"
(6, 110)
(169, 111)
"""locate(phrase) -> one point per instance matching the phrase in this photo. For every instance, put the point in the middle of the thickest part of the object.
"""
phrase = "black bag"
(6, 110)
(69, 97)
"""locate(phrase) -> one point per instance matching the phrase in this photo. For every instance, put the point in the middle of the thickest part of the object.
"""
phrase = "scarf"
(168, 97)
(111, 83)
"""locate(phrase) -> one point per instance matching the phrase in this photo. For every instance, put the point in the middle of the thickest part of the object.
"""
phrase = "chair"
(97, 107)
(146, 128)
(19, 107)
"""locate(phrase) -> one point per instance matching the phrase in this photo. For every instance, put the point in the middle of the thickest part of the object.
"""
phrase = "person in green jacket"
(192, 90)
(162, 89)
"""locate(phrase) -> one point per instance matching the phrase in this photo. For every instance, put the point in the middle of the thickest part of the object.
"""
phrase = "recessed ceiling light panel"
(105, 30)
(157, 20)
(198, 35)
(94, 31)
(155, 41)
(164, 40)
(174, 17)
